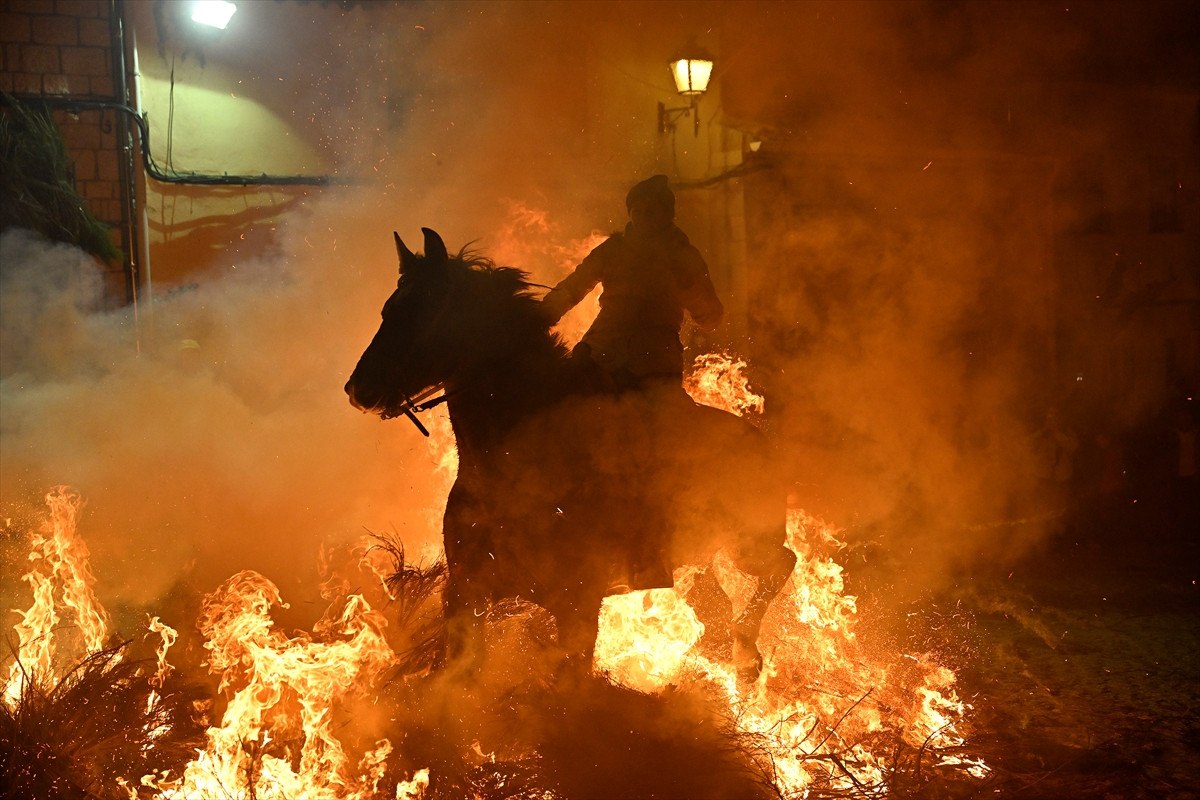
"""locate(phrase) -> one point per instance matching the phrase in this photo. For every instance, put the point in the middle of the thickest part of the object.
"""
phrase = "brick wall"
(57, 47)
(64, 48)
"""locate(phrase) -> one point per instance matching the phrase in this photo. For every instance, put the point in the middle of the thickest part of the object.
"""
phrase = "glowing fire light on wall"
(214, 13)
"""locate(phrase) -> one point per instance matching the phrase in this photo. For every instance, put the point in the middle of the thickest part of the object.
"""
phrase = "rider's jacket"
(648, 281)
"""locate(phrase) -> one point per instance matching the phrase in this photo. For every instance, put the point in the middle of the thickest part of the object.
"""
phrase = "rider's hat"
(653, 188)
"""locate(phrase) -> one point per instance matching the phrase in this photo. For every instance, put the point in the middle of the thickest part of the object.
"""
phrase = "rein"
(411, 406)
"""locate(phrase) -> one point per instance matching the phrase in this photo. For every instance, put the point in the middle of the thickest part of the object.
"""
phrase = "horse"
(567, 490)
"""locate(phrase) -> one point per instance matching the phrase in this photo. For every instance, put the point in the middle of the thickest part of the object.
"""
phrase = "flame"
(276, 737)
(414, 788)
(530, 237)
(575, 323)
(282, 688)
(822, 699)
(61, 581)
(826, 709)
(657, 629)
(719, 380)
(169, 636)
(443, 450)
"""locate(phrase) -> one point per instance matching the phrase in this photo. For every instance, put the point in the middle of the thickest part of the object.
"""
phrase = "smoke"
(207, 429)
(209, 435)
(910, 326)
(900, 309)
(898, 300)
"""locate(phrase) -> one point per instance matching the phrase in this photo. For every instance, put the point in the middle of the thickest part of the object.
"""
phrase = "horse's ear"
(407, 258)
(435, 248)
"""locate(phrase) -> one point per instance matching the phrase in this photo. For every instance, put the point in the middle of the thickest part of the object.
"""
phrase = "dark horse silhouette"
(566, 492)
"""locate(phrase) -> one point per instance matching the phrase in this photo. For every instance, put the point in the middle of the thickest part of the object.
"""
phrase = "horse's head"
(454, 322)
(411, 355)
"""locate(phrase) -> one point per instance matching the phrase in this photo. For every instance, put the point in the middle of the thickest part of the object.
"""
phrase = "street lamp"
(215, 13)
(691, 73)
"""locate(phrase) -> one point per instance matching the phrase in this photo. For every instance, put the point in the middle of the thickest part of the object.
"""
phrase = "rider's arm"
(573, 288)
(699, 295)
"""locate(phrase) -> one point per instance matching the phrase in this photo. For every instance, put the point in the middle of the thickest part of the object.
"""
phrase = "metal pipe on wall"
(128, 175)
(147, 270)
(187, 178)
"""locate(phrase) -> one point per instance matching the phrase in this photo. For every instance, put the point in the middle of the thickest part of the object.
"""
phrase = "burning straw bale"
(96, 730)
(660, 714)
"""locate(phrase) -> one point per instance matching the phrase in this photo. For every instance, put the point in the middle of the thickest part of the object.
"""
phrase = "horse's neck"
(506, 393)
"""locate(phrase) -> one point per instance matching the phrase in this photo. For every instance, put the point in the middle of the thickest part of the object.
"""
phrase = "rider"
(651, 275)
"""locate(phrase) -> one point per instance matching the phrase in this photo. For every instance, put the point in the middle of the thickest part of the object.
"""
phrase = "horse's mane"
(510, 286)
(507, 293)
(509, 281)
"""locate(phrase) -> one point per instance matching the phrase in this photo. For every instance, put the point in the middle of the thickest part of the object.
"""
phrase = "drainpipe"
(129, 198)
(147, 272)
(137, 249)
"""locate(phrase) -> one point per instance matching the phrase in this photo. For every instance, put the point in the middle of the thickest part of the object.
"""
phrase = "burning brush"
(97, 730)
(338, 714)
(79, 717)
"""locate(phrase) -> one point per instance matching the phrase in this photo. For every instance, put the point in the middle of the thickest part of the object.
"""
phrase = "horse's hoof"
(747, 674)
(747, 661)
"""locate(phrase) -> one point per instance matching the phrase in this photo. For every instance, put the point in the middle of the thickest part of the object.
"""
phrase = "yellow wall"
(206, 124)
(567, 125)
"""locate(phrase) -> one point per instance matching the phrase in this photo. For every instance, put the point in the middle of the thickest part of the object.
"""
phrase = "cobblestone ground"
(1083, 667)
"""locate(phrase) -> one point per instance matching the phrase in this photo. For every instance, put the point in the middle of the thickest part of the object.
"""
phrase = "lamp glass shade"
(215, 13)
(691, 75)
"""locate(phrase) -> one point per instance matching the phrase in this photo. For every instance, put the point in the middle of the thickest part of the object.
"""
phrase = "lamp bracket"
(668, 116)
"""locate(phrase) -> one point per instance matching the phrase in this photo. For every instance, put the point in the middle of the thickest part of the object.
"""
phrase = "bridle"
(424, 400)
(411, 406)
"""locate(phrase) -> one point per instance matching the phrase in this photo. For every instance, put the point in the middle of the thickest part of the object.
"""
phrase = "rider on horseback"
(651, 275)
(559, 489)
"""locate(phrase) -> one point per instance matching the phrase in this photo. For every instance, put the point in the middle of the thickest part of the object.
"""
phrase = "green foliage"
(36, 186)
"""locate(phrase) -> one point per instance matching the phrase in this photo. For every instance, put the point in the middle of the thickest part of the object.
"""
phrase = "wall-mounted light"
(215, 13)
(691, 72)
(691, 75)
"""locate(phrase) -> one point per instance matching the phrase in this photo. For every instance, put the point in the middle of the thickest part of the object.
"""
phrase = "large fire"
(822, 699)
(60, 579)
(827, 712)
(277, 683)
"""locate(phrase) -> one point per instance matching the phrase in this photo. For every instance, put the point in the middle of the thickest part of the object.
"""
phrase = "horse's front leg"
(470, 580)
(579, 624)
(772, 564)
